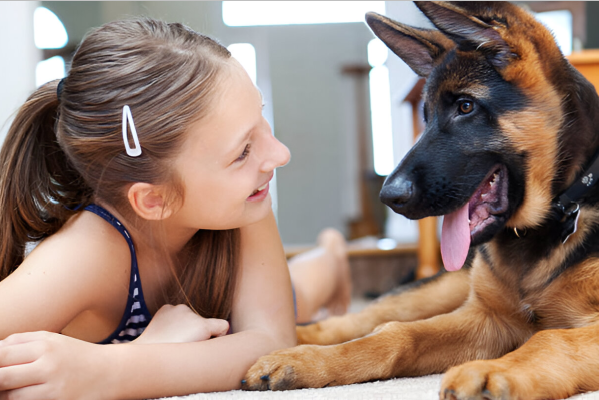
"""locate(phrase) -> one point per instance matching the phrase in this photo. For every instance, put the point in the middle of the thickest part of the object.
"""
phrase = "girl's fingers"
(18, 376)
(217, 327)
(19, 354)
(37, 392)
(25, 337)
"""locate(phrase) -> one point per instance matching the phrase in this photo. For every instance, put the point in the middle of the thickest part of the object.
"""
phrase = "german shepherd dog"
(508, 157)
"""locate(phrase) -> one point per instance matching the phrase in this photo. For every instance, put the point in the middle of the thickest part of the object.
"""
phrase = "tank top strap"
(137, 316)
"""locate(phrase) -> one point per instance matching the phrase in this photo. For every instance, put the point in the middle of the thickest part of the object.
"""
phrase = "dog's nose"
(397, 192)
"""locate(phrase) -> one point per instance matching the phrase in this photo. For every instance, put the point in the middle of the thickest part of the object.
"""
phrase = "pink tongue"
(455, 239)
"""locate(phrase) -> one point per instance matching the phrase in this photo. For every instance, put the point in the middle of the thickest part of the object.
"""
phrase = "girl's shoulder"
(86, 250)
(83, 268)
(85, 237)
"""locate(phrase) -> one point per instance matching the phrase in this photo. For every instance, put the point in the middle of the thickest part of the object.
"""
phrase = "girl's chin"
(257, 211)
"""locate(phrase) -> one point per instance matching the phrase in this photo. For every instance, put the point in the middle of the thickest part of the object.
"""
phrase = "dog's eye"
(466, 107)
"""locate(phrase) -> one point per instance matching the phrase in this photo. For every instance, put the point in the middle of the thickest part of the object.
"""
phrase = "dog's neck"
(567, 204)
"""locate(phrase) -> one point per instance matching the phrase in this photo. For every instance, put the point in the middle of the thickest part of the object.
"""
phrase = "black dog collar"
(568, 203)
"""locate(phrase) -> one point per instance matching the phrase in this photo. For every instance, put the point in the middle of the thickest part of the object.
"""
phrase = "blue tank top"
(136, 317)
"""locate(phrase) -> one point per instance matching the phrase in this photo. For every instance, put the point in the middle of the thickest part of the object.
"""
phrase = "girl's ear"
(148, 201)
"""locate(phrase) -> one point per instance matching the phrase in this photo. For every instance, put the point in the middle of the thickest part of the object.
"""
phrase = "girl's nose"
(277, 155)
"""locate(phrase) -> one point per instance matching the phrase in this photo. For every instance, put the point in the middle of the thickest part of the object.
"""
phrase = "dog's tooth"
(494, 178)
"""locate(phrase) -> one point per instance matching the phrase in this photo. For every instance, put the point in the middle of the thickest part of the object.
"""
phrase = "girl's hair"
(65, 149)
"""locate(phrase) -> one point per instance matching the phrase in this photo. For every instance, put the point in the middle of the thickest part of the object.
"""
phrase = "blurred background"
(347, 109)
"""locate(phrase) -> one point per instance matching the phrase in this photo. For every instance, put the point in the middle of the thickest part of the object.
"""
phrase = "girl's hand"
(179, 324)
(44, 365)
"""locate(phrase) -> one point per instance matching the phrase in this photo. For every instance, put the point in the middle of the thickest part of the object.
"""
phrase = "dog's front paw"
(298, 367)
(481, 380)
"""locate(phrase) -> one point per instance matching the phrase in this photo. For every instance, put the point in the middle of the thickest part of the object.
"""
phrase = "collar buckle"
(569, 220)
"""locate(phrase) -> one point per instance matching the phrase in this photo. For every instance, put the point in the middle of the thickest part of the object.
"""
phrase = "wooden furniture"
(374, 271)
(370, 221)
(365, 224)
(587, 62)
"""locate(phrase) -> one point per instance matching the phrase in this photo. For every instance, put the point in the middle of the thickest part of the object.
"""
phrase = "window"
(252, 13)
(245, 53)
(380, 108)
(560, 23)
(48, 30)
(49, 33)
(50, 69)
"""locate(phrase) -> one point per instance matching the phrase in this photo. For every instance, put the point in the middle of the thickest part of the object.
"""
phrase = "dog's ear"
(419, 48)
(471, 26)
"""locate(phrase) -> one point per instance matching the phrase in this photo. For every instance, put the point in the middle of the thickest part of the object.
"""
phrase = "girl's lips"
(260, 195)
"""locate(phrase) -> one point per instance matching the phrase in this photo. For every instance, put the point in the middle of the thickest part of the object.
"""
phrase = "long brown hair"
(64, 152)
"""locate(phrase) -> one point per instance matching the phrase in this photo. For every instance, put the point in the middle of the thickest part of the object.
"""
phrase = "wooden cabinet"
(587, 62)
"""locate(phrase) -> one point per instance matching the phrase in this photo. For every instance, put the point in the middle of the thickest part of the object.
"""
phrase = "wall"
(592, 36)
(19, 57)
(310, 104)
(314, 110)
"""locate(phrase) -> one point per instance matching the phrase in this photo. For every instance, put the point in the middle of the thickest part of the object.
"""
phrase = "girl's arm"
(262, 321)
(67, 274)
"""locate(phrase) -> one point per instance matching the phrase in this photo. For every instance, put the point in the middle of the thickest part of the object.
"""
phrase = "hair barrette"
(128, 118)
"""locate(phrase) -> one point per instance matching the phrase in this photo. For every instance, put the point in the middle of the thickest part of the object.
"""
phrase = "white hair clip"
(127, 117)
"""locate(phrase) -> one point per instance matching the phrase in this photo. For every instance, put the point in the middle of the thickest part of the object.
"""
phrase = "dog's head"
(500, 102)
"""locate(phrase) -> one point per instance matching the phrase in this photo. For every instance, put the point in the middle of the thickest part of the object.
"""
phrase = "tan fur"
(544, 118)
(440, 297)
(499, 330)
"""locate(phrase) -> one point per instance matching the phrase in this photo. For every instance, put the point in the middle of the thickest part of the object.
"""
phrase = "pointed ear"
(148, 201)
(419, 48)
(468, 31)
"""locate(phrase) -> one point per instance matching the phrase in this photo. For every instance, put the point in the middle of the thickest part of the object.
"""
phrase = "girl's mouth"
(260, 193)
(261, 188)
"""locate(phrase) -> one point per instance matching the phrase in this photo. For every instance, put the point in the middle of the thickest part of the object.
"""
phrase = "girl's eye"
(466, 107)
(245, 153)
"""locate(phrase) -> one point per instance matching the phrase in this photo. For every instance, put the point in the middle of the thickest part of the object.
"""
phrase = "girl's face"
(229, 158)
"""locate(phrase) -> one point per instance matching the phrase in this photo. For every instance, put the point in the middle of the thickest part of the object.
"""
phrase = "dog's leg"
(393, 349)
(429, 297)
(553, 364)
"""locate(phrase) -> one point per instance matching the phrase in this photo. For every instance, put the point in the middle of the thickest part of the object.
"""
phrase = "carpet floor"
(422, 388)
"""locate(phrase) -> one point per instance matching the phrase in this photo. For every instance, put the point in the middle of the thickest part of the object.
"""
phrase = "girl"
(146, 173)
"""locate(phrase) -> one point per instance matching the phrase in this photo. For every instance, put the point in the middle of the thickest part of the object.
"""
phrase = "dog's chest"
(541, 293)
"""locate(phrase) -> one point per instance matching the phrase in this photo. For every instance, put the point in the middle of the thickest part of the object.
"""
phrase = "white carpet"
(422, 388)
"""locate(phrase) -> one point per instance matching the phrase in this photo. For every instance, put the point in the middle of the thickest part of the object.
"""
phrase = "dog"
(509, 158)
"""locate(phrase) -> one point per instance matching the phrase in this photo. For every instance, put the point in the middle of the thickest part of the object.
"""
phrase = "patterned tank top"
(136, 317)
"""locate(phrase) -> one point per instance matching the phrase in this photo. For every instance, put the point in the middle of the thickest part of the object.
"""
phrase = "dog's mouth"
(484, 209)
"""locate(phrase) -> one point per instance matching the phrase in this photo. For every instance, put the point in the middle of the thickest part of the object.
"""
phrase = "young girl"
(146, 173)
